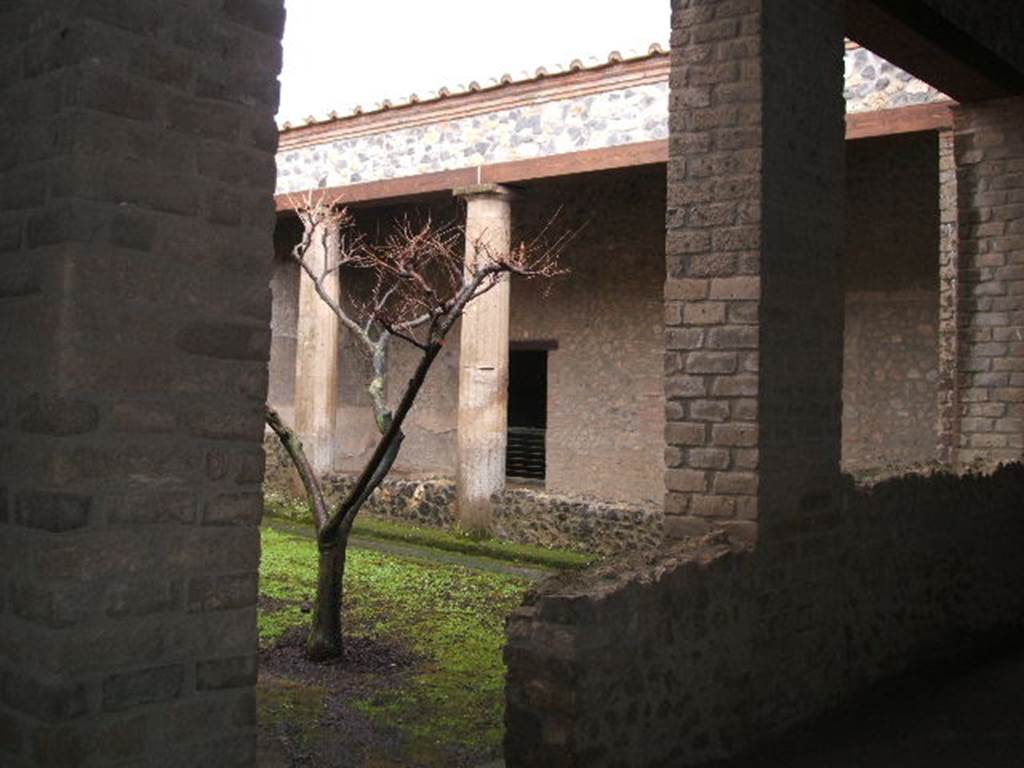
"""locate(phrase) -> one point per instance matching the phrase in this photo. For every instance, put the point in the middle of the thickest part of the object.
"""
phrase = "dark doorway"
(527, 414)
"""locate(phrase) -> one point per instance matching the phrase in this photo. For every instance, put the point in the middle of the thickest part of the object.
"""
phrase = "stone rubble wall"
(613, 118)
(890, 281)
(697, 650)
(609, 119)
(523, 515)
(872, 83)
(890, 374)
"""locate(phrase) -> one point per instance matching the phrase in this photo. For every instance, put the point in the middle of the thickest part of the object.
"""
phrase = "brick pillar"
(753, 298)
(483, 365)
(948, 430)
(136, 177)
(316, 355)
(989, 156)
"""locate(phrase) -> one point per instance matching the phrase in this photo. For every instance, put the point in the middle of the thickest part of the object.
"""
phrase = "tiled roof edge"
(655, 50)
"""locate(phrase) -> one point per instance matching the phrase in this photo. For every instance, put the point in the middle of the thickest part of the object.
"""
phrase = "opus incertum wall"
(136, 214)
(625, 109)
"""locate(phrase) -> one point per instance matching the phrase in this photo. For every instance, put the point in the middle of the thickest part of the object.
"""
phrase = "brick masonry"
(754, 316)
(136, 177)
(989, 151)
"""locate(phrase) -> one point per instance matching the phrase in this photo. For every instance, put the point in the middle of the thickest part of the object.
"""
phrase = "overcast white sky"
(338, 53)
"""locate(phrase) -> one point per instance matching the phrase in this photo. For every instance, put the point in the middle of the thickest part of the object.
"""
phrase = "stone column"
(136, 222)
(989, 148)
(483, 364)
(316, 356)
(753, 298)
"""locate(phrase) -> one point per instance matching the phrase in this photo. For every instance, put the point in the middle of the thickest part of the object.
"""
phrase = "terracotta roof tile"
(576, 65)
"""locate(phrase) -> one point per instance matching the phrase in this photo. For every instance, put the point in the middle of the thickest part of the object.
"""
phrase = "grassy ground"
(448, 708)
(294, 511)
(464, 543)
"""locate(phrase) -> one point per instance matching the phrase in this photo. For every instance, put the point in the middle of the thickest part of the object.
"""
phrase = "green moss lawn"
(450, 702)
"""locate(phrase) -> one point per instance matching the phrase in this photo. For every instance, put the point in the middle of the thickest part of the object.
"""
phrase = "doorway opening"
(525, 454)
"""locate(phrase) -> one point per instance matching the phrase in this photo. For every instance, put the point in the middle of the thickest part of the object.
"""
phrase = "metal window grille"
(524, 456)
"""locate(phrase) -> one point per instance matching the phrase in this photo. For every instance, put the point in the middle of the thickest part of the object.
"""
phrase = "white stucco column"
(483, 363)
(316, 357)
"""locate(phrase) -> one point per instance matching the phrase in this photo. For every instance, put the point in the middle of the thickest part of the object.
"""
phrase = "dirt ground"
(305, 719)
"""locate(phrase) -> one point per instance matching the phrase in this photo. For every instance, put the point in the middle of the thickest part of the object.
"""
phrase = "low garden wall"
(695, 650)
(522, 514)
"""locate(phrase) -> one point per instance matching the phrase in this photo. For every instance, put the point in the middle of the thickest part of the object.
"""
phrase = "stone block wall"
(989, 147)
(696, 651)
(136, 176)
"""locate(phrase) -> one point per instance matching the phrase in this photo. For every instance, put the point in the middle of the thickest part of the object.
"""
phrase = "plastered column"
(316, 357)
(483, 363)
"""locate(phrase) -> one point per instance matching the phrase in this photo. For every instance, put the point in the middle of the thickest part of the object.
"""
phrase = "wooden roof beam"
(921, 41)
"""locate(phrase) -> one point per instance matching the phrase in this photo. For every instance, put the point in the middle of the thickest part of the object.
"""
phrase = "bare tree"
(419, 289)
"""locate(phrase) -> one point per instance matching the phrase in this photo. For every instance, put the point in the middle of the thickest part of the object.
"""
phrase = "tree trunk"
(325, 639)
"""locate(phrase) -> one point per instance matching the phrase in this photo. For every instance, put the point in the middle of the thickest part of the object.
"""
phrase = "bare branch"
(421, 286)
(342, 516)
(406, 337)
(293, 446)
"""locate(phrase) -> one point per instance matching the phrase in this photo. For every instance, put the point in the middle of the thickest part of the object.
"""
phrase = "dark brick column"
(753, 299)
(136, 216)
(990, 179)
(948, 428)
